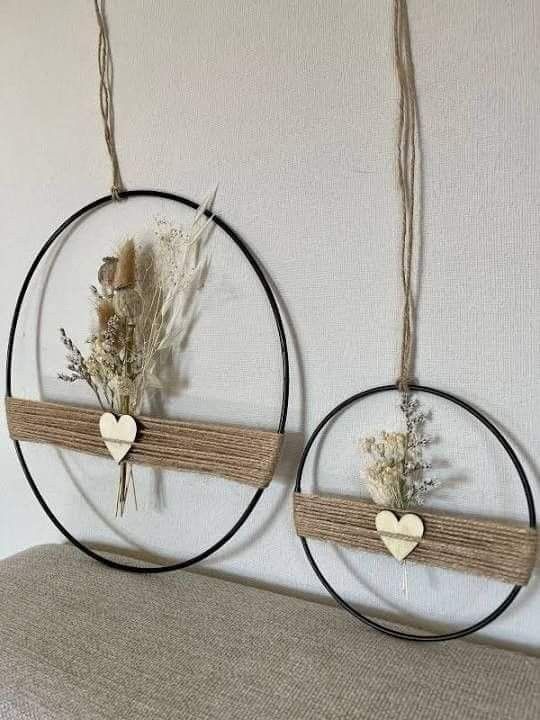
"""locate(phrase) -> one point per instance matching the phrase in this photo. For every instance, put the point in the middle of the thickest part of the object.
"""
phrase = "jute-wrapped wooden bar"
(481, 547)
(242, 454)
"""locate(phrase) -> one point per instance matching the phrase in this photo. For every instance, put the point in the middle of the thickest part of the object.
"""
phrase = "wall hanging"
(141, 296)
(397, 470)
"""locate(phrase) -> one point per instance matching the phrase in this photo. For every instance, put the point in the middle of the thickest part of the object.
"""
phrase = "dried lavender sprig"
(77, 364)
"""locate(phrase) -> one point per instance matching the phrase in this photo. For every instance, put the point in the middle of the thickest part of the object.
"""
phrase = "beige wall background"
(291, 108)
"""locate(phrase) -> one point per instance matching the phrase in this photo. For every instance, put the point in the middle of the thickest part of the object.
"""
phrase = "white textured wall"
(291, 107)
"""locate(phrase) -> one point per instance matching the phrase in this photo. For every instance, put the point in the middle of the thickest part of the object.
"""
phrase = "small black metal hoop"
(257, 268)
(509, 451)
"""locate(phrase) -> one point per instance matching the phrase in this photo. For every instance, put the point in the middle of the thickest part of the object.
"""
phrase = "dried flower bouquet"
(142, 304)
(396, 476)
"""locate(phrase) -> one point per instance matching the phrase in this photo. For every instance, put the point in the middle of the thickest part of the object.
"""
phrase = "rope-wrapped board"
(498, 550)
(242, 454)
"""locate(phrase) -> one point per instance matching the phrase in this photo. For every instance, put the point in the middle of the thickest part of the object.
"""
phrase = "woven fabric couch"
(78, 640)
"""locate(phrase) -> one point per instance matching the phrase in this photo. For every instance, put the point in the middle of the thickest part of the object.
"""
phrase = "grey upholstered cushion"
(78, 640)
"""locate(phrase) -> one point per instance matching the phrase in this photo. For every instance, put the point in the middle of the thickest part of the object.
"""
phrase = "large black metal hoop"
(259, 272)
(509, 451)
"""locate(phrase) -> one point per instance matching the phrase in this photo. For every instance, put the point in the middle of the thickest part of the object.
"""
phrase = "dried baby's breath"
(396, 476)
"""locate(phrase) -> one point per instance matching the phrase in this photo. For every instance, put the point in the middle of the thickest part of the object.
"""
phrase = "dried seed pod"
(106, 274)
(127, 303)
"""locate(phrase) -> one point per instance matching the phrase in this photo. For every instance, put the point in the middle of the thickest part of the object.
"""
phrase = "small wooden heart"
(118, 434)
(400, 536)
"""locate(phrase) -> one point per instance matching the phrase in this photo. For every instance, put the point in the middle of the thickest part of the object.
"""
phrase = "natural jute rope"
(106, 97)
(480, 547)
(406, 162)
(242, 454)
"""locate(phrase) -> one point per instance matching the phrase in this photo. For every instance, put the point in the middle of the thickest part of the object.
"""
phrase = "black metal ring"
(517, 465)
(284, 359)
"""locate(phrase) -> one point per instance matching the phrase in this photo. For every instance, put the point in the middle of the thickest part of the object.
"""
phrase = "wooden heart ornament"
(118, 434)
(400, 536)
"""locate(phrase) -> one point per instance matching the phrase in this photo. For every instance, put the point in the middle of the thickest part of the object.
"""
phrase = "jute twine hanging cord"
(406, 164)
(106, 97)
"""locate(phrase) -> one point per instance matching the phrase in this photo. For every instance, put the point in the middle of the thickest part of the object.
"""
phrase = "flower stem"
(123, 485)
